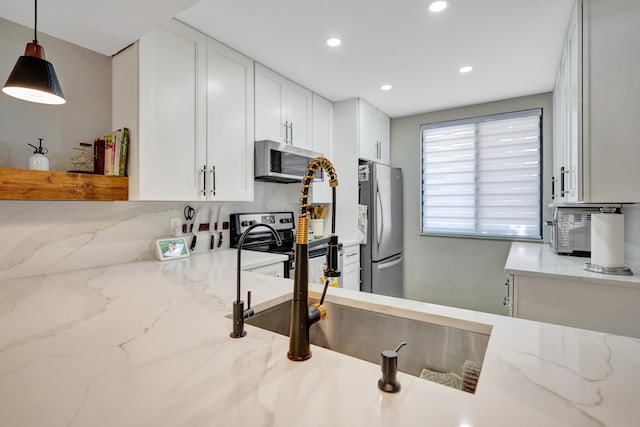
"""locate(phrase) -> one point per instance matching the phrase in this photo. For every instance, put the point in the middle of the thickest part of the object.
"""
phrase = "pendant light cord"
(35, 24)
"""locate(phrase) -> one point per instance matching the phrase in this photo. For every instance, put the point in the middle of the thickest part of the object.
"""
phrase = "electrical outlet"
(176, 226)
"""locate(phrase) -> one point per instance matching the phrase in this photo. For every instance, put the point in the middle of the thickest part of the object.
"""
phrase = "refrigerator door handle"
(380, 221)
(390, 263)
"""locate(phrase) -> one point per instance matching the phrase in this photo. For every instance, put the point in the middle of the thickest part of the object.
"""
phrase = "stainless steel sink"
(365, 332)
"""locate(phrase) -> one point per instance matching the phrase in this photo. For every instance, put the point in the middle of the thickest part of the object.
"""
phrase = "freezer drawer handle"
(389, 264)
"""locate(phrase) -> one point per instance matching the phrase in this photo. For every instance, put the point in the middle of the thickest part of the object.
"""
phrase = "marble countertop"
(538, 259)
(249, 259)
(147, 344)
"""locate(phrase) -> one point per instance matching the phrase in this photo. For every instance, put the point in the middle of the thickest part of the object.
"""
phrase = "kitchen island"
(147, 344)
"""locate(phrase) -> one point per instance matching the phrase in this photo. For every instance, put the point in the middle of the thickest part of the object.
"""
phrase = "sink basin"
(364, 332)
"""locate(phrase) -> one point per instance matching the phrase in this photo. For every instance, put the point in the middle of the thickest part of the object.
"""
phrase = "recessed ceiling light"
(386, 87)
(466, 69)
(437, 6)
(333, 42)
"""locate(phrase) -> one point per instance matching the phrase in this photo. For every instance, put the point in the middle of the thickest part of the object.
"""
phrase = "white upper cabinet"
(171, 101)
(374, 128)
(283, 109)
(322, 143)
(190, 116)
(229, 123)
(322, 125)
(596, 106)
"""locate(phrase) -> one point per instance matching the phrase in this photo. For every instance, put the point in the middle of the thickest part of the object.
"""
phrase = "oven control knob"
(244, 223)
(253, 221)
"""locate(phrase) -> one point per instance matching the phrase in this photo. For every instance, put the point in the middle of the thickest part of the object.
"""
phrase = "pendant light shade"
(33, 77)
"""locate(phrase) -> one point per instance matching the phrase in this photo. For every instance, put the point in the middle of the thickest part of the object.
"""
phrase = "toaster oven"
(571, 230)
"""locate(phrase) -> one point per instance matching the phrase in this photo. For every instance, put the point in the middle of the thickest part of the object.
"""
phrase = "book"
(98, 154)
(109, 154)
(117, 138)
(124, 151)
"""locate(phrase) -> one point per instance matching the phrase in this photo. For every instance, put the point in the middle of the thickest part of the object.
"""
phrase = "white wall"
(85, 77)
(458, 272)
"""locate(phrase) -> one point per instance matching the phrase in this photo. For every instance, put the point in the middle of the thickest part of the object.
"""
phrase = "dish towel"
(449, 379)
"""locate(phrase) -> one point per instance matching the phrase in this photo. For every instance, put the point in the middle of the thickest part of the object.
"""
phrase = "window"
(481, 177)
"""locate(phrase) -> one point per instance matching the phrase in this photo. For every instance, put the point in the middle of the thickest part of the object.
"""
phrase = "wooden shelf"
(24, 184)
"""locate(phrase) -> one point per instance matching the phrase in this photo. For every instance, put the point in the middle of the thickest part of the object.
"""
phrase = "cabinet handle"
(286, 131)
(353, 254)
(213, 180)
(204, 180)
(507, 300)
(562, 172)
(553, 187)
(291, 136)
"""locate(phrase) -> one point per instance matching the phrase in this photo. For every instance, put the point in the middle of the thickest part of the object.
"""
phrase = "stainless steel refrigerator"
(381, 257)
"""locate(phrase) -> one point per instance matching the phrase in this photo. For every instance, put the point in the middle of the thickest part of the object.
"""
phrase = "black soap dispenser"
(389, 366)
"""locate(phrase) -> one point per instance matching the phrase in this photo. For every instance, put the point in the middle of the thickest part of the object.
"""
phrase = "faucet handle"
(249, 311)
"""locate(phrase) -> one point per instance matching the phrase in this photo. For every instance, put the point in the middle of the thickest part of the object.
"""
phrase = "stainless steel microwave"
(277, 162)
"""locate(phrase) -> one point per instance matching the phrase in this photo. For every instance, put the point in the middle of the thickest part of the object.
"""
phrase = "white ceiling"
(513, 45)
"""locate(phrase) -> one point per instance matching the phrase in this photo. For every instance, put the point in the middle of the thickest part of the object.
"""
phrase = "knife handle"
(194, 241)
(213, 242)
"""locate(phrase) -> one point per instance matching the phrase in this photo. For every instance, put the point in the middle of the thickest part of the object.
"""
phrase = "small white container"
(38, 161)
(317, 228)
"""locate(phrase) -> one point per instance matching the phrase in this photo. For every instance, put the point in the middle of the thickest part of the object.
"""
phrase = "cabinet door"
(558, 140)
(578, 303)
(611, 101)
(299, 115)
(322, 143)
(229, 124)
(172, 106)
(382, 136)
(367, 148)
(351, 277)
(270, 92)
(573, 89)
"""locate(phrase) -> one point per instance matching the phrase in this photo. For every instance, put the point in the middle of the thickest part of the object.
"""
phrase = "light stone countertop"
(538, 259)
(147, 344)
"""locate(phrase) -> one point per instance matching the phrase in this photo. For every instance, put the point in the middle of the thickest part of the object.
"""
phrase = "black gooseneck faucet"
(303, 315)
(239, 313)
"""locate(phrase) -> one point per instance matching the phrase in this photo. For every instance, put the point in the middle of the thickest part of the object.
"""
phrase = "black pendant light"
(33, 77)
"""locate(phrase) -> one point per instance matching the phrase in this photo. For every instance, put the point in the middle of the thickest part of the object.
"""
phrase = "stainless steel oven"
(261, 240)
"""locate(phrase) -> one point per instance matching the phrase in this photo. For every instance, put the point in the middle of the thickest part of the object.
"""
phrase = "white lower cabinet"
(351, 267)
(577, 303)
(188, 102)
